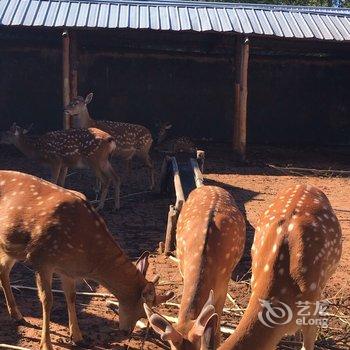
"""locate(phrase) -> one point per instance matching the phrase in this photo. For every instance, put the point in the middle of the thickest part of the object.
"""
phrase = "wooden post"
(73, 65)
(241, 95)
(65, 76)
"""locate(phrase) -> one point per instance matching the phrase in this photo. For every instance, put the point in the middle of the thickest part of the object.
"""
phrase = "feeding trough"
(181, 173)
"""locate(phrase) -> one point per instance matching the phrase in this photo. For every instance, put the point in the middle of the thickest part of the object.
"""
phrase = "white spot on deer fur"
(266, 268)
(2, 183)
(274, 248)
(290, 227)
(313, 286)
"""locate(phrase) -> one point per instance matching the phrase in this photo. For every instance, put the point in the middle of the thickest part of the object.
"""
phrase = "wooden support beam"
(65, 76)
(73, 78)
(241, 96)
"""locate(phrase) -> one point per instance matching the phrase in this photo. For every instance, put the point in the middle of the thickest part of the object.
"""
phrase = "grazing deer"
(131, 139)
(70, 148)
(172, 145)
(210, 242)
(296, 249)
(57, 231)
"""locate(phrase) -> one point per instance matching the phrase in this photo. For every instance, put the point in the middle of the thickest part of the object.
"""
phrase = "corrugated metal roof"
(280, 21)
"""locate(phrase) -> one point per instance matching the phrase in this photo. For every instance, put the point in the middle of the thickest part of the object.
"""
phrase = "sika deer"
(70, 148)
(296, 249)
(131, 139)
(210, 242)
(173, 145)
(57, 231)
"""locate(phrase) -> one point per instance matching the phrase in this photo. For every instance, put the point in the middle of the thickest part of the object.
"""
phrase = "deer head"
(201, 333)
(129, 312)
(77, 110)
(162, 131)
(13, 135)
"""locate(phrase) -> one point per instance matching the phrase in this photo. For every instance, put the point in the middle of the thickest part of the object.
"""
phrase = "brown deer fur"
(173, 145)
(296, 249)
(210, 241)
(131, 139)
(57, 231)
(63, 149)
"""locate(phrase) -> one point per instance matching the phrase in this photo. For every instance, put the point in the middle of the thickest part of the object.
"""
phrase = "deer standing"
(57, 231)
(70, 148)
(173, 144)
(210, 241)
(131, 139)
(297, 246)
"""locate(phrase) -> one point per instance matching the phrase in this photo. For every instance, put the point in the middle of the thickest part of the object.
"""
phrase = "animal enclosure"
(251, 186)
(296, 93)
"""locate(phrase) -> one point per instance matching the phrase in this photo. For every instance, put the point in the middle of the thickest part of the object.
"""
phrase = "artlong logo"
(278, 313)
(272, 315)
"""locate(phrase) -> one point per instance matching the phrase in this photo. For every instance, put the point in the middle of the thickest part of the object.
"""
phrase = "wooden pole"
(73, 65)
(65, 77)
(241, 96)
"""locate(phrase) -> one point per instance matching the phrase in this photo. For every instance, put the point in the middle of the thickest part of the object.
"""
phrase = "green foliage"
(344, 3)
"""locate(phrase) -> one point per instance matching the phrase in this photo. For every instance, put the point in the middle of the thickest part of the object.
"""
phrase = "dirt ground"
(140, 225)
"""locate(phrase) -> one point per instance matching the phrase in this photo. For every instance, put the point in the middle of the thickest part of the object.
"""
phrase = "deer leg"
(97, 188)
(128, 167)
(148, 162)
(309, 337)
(68, 286)
(44, 282)
(62, 176)
(112, 175)
(6, 264)
(104, 191)
(55, 172)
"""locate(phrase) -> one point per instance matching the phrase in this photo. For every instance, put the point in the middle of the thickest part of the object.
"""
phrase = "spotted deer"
(297, 246)
(75, 148)
(131, 139)
(210, 241)
(173, 145)
(57, 231)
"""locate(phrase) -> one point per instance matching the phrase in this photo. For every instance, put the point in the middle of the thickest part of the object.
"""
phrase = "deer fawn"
(70, 148)
(173, 145)
(57, 231)
(210, 241)
(296, 249)
(131, 139)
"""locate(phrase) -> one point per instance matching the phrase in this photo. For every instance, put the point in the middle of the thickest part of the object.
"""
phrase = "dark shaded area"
(297, 89)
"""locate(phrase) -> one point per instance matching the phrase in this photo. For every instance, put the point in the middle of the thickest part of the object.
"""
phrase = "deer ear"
(208, 337)
(203, 318)
(163, 327)
(25, 131)
(163, 298)
(142, 263)
(88, 98)
(16, 130)
(149, 294)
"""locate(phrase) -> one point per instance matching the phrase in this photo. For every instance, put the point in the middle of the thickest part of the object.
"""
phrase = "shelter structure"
(243, 73)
